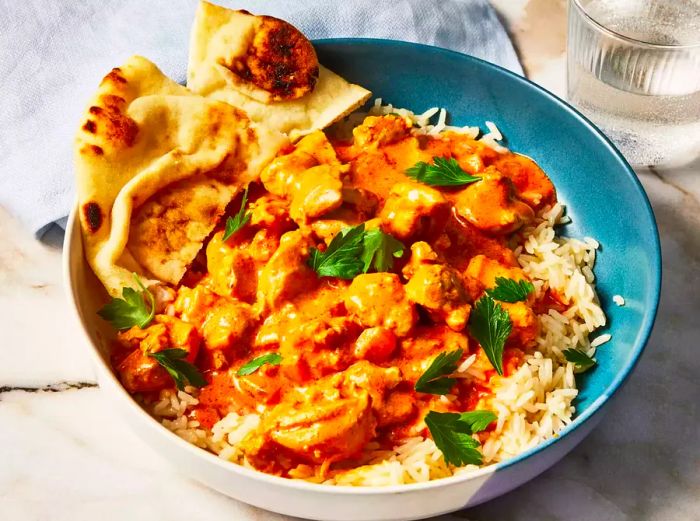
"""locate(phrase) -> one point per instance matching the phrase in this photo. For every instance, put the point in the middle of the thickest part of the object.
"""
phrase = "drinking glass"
(633, 68)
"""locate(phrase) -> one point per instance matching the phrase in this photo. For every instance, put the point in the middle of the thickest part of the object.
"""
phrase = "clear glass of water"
(633, 68)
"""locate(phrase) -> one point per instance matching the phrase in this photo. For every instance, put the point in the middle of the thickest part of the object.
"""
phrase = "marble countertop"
(63, 456)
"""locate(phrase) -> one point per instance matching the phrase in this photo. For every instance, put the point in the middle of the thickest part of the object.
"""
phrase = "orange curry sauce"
(351, 350)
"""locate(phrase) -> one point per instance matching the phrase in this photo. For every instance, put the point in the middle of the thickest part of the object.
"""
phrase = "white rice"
(532, 405)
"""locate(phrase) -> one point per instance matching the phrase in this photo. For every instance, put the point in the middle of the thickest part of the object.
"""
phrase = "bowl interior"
(602, 194)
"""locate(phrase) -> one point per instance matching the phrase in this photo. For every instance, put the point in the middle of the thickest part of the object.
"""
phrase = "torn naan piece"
(156, 166)
(267, 68)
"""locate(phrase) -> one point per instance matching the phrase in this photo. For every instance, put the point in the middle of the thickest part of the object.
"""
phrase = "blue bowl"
(603, 198)
(602, 194)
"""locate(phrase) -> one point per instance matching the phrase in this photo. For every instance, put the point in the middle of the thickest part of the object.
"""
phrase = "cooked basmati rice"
(532, 404)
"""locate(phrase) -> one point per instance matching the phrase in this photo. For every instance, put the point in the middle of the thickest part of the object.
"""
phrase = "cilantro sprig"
(238, 221)
(353, 251)
(580, 359)
(130, 310)
(452, 433)
(180, 370)
(443, 172)
(256, 363)
(490, 324)
(434, 380)
(509, 290)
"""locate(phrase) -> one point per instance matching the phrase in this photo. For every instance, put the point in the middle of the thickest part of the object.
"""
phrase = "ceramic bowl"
(604, 200)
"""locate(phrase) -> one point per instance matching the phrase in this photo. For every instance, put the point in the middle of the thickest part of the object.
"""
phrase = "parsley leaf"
(256, 363)
(379, 250)
(434, 380)
(342, 258)
(490, 325)
(580, 359)
(443, 172)
(452, 433)
(180, 370)
(131, 309)
(509, 290)
(478, 420)
(354, 251)
(238, 221)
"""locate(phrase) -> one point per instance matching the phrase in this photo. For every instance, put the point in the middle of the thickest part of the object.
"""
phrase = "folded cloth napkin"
(54, 53)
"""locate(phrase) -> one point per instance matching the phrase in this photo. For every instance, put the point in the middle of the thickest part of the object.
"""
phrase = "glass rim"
(635, 41)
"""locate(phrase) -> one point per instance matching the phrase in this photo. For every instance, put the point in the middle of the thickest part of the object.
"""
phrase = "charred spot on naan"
(92, 216)
(106, 122)
(280, 60)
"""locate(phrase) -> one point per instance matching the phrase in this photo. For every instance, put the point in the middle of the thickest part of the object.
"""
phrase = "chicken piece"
(375, 344)
(139, 372)
(363, 202)
(227, 324)
(223, 323)
(286, 274)
(163, 295)
(313, 425)
(421, 253)
(531, 183)
(263, 246)
(330, 420)
(193, 304)
(316, 191)
(377, 381)
(413, 210)
(379, 299)
(439, 289)
(328, 430)
(381, 130)
(398, 408)
(312, 349)
(490, 205)
(310, 176)
(281, 174)
(270, 212)
(485, 271)
(419, 350)
(233, 271)
(466, 241)
(525, 326)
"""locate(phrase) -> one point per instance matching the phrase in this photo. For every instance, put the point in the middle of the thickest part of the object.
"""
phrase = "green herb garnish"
(183, 372)
(490, 324)
(343, 257)
(353, 251)
(379, 250)
(238, 221)
(580, 359)
(452, 433)
(509, 290)
(130, 310)
(443, 172)
(478, 420)
(434, 380)
(256, 363)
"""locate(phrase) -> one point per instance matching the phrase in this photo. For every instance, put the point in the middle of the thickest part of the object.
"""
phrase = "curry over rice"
(318, 305)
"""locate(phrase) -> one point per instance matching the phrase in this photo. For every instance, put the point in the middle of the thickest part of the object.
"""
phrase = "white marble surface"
(63, 456)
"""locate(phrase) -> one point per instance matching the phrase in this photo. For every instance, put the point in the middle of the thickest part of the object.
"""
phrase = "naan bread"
(156, 167)
(267, 68)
